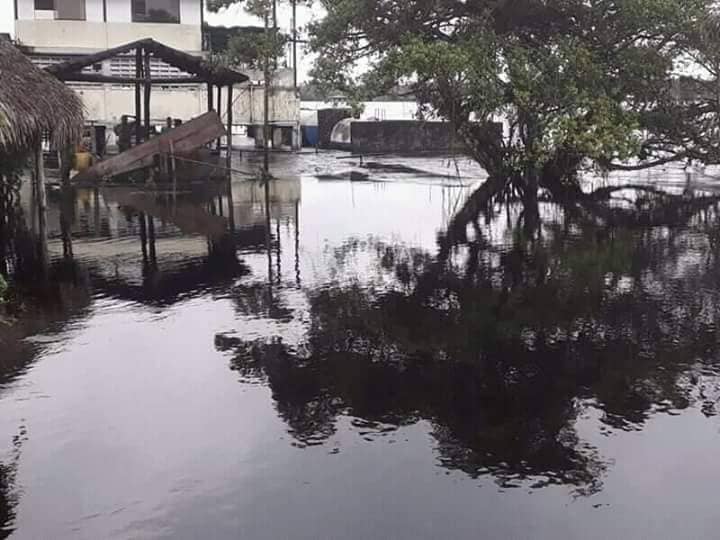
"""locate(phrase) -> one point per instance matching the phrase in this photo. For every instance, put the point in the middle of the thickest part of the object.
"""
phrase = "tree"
(576, 81)
(245, 47)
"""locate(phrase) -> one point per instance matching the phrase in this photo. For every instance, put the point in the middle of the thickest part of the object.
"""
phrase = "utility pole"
(294, 44)
(266, 99)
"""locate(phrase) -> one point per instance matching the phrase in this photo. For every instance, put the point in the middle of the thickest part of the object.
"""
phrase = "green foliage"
(250, 50)
(251, 6)
(574, 80)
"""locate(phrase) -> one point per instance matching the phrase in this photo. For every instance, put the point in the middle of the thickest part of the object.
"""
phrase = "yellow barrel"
(83, 160)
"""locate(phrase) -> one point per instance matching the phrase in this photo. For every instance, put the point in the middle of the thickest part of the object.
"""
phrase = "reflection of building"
(249, 201)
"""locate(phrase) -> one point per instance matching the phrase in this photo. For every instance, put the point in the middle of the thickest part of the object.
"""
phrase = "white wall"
(119, 11)
(93, 34)
(83, 36)
(26, 9)
(249, 106)
(94, 10)
(106, 103)
(381, 110)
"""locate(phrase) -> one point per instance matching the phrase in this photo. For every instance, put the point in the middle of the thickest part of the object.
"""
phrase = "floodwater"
(325, 377)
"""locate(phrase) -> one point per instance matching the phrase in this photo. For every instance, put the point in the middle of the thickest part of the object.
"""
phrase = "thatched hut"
(34, 103)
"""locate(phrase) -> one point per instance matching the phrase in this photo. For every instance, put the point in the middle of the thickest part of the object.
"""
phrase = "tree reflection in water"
(503, 345)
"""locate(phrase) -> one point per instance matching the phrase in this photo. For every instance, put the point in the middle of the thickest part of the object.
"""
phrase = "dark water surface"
(342, 384)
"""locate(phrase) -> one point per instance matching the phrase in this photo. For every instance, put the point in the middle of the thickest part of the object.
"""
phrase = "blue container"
(310, 135)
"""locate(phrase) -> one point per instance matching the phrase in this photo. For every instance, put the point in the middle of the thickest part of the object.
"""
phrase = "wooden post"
(228, 161)
(294, 44)
(210, 96)
(219, 108)
(66, 214)
(4, 218)
(231, 205)
(41, 203)
(143, 236)
(172, 172)
(151, 239)
(266, 106)
(138, 111)
(297, 243)
(148, 87)
(66, 155)
(228, 156)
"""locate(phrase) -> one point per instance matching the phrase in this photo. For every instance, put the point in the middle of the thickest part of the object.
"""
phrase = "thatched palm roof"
(32, 102)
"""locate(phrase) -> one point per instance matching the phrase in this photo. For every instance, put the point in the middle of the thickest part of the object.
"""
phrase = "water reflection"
(502, 349)
(499, 342)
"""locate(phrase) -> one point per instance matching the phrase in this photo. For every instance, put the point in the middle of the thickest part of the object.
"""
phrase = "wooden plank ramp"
(184, 138)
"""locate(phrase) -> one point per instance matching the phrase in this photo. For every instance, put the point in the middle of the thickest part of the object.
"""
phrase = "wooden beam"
(294, 44)
(143, 236)
(219, 106)
(185, 138)
(41, 196)
(147, 87)
(210, 96)
(188, 63)
(99, 78)
(138, 110)
(151, 239)
(228, 157)
(228, 160)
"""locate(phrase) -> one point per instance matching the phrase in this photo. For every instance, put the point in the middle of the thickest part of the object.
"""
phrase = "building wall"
(372, 110)
(249, 106)
(92, 34)
(401, 136)
(408, 136)
(107, 103)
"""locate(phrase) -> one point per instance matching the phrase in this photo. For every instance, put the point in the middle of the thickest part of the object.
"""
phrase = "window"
(159, 11)
(70, 9)
(44, 5)
(64, 9)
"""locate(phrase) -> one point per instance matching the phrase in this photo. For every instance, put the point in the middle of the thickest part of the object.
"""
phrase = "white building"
(61, 27)
(53, 31)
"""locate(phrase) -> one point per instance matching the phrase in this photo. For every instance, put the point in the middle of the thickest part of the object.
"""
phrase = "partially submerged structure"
(194, 70)
(34, 107)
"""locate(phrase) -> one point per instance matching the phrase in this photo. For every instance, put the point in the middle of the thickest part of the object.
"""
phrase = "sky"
(229, 17)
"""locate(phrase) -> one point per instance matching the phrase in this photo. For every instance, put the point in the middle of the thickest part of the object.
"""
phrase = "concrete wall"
(106, 103)
(92, 34)
(85, 37)
(372, 110)
(400, 136)
(249, 106)
(406, 136)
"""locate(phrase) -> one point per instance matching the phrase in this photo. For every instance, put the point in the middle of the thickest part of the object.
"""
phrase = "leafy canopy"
(573, 79)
